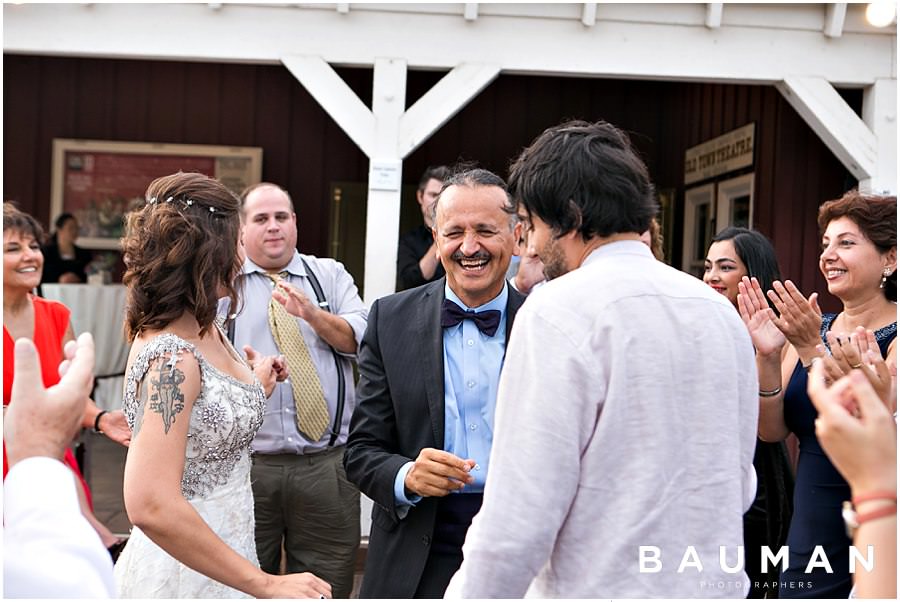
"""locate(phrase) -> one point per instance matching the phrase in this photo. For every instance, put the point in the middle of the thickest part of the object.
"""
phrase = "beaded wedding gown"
(216, 480)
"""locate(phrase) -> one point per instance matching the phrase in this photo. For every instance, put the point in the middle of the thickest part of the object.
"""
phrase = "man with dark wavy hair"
(626, 410)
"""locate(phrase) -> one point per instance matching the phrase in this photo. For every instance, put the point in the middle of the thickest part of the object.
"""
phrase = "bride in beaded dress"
(194, 405)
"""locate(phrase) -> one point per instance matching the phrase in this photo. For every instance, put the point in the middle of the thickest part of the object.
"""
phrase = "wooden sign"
(729, 152)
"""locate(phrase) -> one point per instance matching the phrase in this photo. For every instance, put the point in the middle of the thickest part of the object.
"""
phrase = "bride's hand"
(267, 368)
(298, 585)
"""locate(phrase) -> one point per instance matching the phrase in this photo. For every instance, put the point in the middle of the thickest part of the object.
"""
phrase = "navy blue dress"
(818, 493)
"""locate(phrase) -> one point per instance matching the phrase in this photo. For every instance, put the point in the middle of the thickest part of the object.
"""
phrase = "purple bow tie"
(452, 314)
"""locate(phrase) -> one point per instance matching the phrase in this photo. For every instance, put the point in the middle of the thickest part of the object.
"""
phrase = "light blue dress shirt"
(472, 363)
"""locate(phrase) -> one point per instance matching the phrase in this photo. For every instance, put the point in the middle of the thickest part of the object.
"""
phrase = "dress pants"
(306, 503)
(454, 516)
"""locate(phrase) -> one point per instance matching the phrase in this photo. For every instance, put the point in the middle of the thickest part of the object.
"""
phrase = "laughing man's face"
(475, 241)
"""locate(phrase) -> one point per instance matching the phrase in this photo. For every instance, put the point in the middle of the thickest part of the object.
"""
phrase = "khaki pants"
(306, 504)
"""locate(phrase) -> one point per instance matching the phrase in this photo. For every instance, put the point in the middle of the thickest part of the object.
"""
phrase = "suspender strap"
(341, 393)
(341, 383)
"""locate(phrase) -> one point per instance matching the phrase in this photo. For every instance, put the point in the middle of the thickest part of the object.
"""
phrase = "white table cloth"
(99, 310)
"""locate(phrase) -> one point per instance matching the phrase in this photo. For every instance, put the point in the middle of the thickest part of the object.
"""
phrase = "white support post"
(880, 114)
(470, 12)
(842, 131)
(834, 19)
(442, 102)
(713, 15)
(385, 177)
(336, 97)
(343, 8)
(589, 14)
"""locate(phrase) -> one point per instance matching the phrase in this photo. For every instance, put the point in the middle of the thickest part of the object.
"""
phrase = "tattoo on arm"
(167, 399)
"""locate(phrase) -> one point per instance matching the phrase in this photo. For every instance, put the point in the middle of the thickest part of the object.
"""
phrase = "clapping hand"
(759, 318)
(295, 302)
(114, 425)
(860, 351)
(799, 318)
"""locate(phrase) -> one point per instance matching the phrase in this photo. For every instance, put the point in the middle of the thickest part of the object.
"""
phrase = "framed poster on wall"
(100, 181)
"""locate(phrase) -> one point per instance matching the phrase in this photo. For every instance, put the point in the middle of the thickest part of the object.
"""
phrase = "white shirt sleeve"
(49, 548)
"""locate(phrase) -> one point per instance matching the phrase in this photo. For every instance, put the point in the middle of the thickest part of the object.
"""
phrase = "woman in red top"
(47, 324)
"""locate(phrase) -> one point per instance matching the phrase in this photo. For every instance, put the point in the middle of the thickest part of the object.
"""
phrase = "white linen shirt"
(626, 417)
(49, 548)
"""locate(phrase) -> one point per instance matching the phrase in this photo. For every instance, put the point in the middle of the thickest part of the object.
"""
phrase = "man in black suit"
(429, 364)
(417, 261)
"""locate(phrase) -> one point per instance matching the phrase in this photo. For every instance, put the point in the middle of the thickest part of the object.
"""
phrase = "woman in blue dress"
(859, 262)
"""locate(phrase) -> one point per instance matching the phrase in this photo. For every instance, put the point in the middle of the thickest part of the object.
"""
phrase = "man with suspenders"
(303, 500)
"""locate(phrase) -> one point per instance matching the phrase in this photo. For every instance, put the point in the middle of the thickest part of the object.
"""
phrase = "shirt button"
(290, 439)
(426, 540)
(286, 411)
(470, 384)
(470, 342)
(473, 427)
(477, 467)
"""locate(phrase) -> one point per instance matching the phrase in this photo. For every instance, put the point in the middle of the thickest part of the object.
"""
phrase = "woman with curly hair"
(193, 403)
(859, 263)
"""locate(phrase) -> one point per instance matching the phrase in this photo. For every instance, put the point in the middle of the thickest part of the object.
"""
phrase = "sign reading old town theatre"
(728, 152)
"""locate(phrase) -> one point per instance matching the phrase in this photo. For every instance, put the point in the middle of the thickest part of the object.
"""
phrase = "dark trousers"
(306, 504)
(454, 515)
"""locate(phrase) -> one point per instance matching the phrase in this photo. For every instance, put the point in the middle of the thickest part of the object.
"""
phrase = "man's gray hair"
(471, 178)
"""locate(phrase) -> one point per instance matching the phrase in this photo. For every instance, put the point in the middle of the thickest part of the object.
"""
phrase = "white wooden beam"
(713, 15)
(842, 131)
(383, 204)
(470, 12)
(880, 114)
(835, 14)
(589, 14)
(336, 97)
(343, 8)
(441, 102)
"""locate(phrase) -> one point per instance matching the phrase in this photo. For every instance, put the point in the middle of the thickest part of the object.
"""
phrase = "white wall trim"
(834, 19)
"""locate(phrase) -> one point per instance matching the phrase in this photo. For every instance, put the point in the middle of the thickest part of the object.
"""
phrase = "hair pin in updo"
(187, 203)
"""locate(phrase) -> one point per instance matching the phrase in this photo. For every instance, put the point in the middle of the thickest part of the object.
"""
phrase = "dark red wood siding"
(306, 152)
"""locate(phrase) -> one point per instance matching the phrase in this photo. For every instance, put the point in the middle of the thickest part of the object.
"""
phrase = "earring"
(884, 276)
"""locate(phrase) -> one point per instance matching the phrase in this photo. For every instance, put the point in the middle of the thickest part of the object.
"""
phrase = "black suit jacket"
(400, 411)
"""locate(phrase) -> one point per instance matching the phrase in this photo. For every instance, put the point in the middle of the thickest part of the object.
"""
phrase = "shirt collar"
(617, 249)
(498, 302)
(294, 268)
